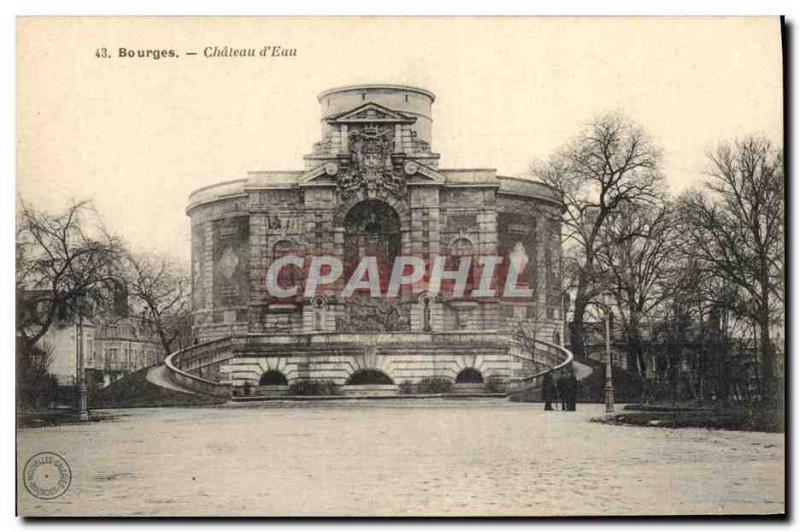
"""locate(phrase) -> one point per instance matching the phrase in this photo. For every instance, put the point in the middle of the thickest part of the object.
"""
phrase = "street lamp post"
(609, 387)
(80, 377)
(565, 303)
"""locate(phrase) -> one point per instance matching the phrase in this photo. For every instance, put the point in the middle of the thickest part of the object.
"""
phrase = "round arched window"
(272, 377)
(469, 376)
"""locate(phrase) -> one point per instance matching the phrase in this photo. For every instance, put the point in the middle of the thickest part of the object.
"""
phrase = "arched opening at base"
(272, 377)
(469, 376)
(369, 376)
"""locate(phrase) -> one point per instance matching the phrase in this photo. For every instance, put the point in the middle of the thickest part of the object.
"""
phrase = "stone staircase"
(208, 368)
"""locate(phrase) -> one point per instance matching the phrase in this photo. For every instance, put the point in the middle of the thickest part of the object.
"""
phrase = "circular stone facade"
(371, 187)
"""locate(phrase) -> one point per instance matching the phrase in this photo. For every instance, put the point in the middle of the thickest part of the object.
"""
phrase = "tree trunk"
(166, 344)
(637, 355)
(771, 396)
(768, 363)
(576, 327)
(635, 348)
(642, 363)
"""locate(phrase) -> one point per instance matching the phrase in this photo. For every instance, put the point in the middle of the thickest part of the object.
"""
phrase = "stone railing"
(183, 365)
(319, 338)
(547, 358)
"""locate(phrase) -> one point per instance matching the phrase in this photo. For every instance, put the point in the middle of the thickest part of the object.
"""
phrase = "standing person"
(548, 391)
(563, 392)
(573, 390)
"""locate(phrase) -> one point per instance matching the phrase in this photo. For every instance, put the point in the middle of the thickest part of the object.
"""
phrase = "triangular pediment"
(420, 174)
(324, 174)
(369, 113)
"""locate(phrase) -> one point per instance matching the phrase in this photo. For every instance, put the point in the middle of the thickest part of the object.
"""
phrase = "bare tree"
(736, 232)
(611, 163)
(161, 287)
(59, 258)
(639, 252)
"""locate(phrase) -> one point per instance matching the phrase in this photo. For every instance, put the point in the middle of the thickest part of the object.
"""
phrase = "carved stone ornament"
(373, 315)
(371, 169)
(411, 167)
(331, 168)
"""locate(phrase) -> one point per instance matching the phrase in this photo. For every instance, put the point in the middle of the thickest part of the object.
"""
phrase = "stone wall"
(262, 224)
(400, 362)
(220, 266)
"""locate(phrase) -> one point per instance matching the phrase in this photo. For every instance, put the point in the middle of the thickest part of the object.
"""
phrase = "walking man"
(572, 385)
(548, 391)
(563, 391)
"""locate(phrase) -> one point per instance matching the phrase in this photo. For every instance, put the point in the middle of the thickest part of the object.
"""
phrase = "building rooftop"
(376, 86)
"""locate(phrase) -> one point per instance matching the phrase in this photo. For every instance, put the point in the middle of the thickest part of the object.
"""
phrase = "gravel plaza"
(401, 458)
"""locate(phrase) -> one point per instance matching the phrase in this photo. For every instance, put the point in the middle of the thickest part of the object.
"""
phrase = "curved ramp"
(179, 364)
(159, 376)
(559, 358)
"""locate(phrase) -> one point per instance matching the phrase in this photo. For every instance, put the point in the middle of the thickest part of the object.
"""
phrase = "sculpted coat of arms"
(371, 167)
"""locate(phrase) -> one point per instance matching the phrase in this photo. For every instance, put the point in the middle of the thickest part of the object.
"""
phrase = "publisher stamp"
(47, 476)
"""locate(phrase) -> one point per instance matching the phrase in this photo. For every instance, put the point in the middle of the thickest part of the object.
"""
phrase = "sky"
(138, 135)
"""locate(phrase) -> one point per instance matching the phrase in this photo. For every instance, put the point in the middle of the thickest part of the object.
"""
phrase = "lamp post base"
(83, 394)
(609, 394)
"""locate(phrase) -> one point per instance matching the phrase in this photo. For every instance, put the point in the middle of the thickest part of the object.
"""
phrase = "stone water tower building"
(371, 186)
